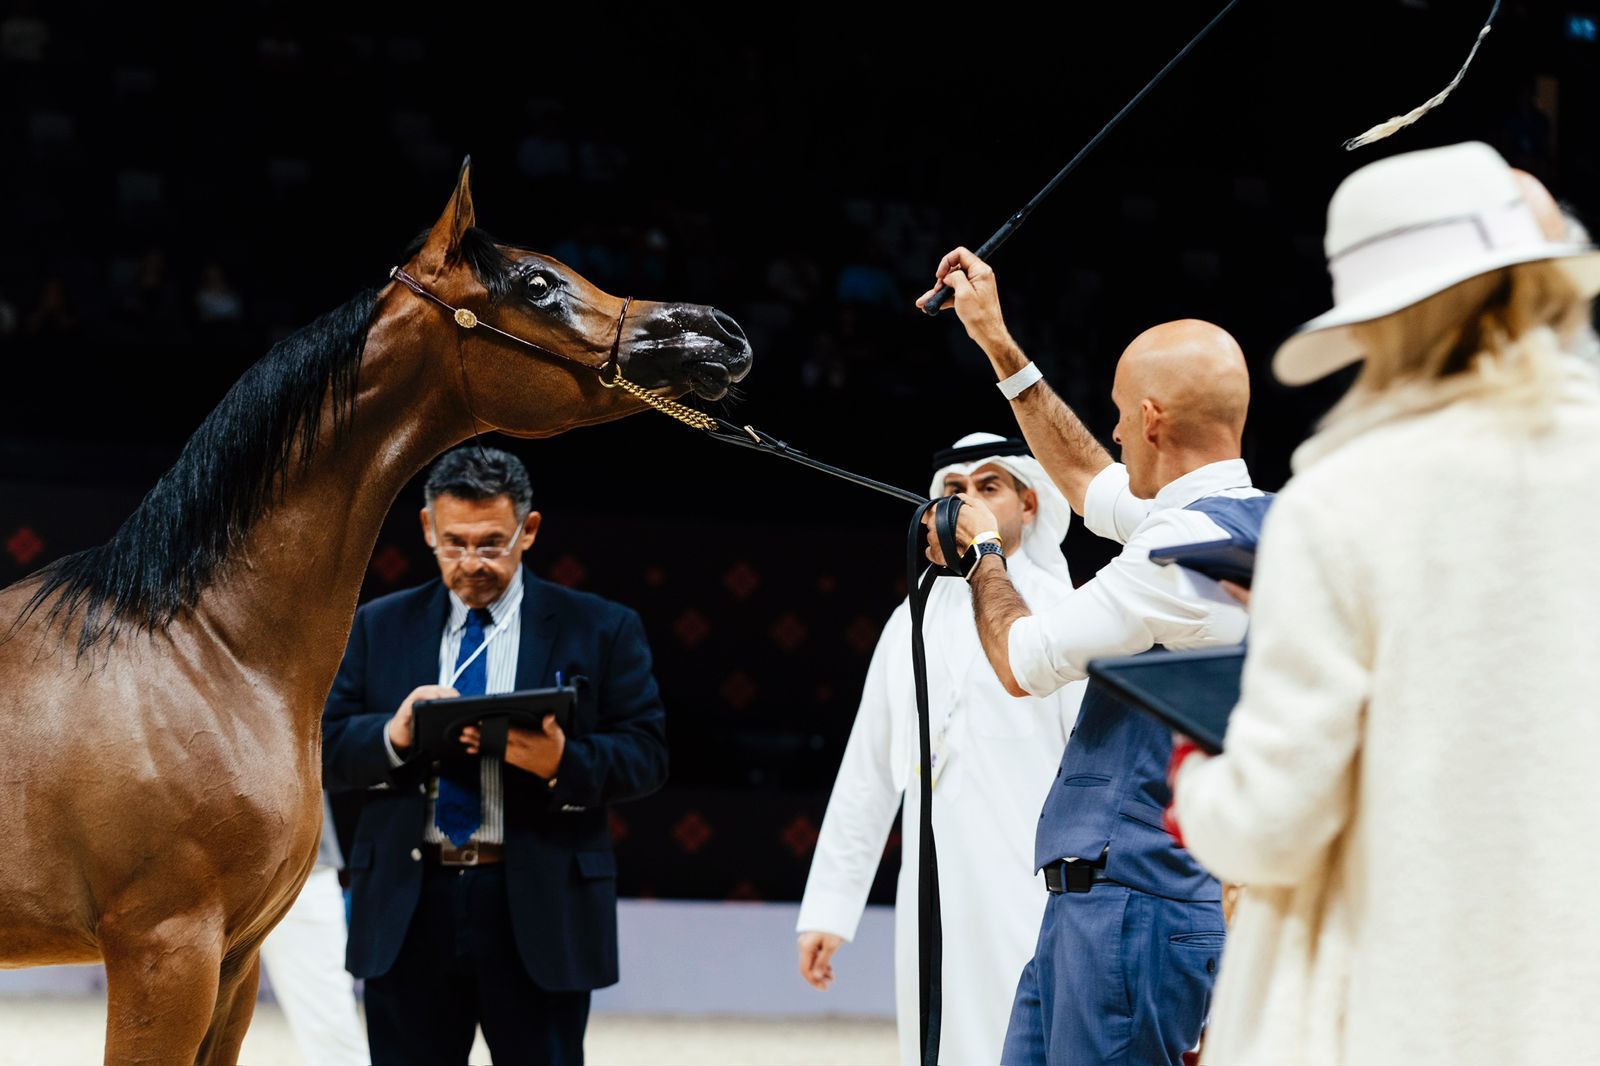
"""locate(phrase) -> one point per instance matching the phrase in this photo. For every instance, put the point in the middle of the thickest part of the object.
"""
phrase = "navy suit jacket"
(561, 874)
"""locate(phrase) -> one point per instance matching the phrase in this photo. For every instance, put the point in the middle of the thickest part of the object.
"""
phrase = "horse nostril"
(729, 327)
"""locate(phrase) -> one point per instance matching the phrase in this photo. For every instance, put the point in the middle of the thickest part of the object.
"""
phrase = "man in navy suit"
(484, 891)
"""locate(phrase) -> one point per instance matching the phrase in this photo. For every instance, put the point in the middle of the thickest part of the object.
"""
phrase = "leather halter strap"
(719, 429)
(689, 416)
(466, 319)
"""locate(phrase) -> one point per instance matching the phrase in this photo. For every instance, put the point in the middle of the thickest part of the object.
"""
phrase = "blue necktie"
(458, 811)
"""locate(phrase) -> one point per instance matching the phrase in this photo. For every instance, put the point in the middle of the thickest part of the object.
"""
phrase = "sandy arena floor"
(44, 1032)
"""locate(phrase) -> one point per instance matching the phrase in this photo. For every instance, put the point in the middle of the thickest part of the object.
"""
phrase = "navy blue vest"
(1111, 790)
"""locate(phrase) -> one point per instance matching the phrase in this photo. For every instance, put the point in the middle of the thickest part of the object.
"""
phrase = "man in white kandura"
(994, 760)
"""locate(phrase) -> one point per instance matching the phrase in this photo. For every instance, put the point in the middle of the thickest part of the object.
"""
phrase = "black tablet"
(436, 725)
(1191, 691)
(1220, 560)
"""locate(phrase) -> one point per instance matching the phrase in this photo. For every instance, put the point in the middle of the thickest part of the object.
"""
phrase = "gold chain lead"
(687, 415)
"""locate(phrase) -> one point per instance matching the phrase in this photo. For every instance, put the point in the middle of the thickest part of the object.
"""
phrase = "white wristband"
(1013, 386)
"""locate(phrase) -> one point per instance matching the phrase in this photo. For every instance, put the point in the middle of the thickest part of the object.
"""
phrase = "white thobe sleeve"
(1110, 509)
(861, 810)
(1265, 811)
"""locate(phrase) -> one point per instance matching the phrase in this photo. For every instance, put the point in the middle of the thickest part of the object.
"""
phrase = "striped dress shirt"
(502, 638)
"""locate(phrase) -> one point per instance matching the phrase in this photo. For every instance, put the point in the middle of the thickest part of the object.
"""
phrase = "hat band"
(1439, 246)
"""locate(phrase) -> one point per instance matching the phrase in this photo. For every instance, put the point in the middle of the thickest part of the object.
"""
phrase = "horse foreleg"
(162, 980)
(236, 1004)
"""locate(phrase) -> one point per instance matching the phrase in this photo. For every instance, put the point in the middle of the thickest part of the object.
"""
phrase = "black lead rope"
(930, 929)
(920, 576)
(754, 439)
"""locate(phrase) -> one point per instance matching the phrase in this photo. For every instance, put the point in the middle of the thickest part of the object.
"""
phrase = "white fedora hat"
(1407, 227)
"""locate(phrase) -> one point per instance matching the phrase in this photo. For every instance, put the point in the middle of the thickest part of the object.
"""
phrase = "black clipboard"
(1194, 692)
(436, 725)
(1220, 560)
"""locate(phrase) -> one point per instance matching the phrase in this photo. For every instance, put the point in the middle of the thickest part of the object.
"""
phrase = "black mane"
(236, 466)
(233, 469)
(484, 255)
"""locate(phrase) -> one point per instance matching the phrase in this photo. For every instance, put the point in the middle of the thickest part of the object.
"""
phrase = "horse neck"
(284, 607)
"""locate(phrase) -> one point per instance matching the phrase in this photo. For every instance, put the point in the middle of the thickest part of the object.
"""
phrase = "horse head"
(555, 342)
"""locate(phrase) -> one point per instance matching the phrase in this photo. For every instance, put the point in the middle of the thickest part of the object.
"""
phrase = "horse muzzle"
(700, 347)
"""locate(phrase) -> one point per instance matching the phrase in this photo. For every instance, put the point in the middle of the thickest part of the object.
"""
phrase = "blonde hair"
(1502, 331)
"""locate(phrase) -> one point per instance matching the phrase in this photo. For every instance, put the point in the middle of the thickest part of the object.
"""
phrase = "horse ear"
(444, 240)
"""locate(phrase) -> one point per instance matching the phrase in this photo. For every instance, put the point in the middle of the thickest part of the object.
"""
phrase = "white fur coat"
(1412, 778)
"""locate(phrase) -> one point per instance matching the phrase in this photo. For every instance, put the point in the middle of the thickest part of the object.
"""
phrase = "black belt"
(470, 854)
(1063, 875)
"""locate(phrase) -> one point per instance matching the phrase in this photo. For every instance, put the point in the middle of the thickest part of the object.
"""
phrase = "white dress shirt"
(1133, 604)
(501, 638)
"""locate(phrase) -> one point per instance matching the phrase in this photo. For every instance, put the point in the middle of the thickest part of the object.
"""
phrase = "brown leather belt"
(470, 854)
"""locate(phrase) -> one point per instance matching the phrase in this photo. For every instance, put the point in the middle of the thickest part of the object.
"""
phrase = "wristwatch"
(974, 556)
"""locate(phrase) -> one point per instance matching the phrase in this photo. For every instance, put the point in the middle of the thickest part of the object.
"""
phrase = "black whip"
(1014, 223)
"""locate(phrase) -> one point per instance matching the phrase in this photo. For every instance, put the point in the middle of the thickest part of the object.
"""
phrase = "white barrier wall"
(678, 957)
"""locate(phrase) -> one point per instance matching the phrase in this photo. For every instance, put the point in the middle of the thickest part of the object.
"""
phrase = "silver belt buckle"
(467, 856)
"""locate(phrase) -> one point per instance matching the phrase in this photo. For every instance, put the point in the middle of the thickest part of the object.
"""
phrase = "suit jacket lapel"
(539, 627)
(421, 657)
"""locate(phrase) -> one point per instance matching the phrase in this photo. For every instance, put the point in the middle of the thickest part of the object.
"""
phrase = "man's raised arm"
(1058, 438)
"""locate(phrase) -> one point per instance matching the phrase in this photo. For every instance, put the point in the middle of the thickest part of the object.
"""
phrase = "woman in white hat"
(1418, 741)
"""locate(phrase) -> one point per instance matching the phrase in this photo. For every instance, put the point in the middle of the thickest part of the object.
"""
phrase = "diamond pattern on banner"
(739, 690)
(568, 571)
(745, 892)
(800, 836)
(691, 832)
(390, 564)
(691, 628)
(862, 635)
(788, 632)
(741, 580)
(24, 546)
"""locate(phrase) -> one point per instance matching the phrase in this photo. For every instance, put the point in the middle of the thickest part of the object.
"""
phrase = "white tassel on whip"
(1400, 122)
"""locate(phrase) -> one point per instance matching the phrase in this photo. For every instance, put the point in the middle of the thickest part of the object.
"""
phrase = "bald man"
(1132, 930)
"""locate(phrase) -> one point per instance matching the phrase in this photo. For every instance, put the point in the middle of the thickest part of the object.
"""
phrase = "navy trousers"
(459, 968)
(1119, 978)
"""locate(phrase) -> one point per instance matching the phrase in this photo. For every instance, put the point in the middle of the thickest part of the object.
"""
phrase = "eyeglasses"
(456, 552)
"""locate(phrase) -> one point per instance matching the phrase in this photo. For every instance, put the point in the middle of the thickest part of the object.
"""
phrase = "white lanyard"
(495, 631)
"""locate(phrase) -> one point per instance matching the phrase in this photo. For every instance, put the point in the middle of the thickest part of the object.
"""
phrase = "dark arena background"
(182, 187)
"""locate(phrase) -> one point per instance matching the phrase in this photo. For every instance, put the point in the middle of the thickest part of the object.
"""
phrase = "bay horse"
(161, 695)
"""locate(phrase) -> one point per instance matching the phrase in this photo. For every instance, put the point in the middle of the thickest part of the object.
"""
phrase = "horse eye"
(538, 287)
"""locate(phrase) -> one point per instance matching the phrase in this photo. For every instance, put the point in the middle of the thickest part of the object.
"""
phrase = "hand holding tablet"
(438, 724)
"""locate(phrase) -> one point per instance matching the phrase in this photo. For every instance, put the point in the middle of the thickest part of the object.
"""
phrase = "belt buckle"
(465, 856)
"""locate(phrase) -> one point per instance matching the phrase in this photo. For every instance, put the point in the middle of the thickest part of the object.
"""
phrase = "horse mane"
(235, 467)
